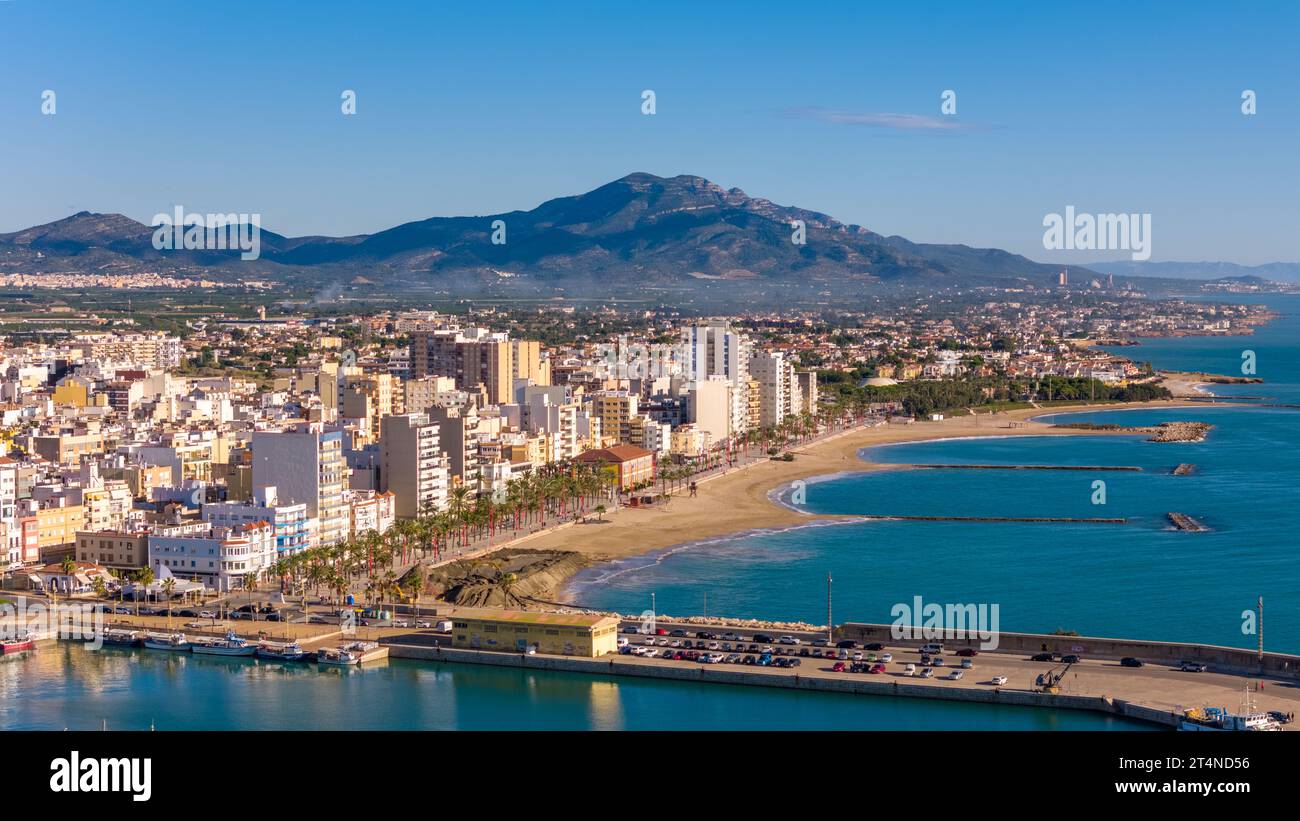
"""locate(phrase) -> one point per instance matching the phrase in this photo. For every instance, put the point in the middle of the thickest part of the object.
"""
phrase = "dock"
(1129, 468)
(1184, 469)
(1184, 522)
(1035, 519)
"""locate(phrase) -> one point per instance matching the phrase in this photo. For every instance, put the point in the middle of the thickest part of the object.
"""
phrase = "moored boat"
(231, 645)
(175, 642)
(1218, 719)
(21, 643)
(121, 638)
(281, 652)
(338, 656)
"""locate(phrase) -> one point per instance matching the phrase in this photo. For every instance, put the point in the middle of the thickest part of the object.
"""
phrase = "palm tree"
(600, 512)
(145, 578)
(507, 584)
(169, 587)
(68, 567)
(250, 584)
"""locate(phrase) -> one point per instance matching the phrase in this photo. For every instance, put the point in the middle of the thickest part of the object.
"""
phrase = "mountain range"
(640, 230)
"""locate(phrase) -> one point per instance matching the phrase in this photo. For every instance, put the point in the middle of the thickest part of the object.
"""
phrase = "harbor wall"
(1224, 659)
(786, 679)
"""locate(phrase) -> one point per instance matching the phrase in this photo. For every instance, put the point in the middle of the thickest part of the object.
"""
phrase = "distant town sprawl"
(212, 456)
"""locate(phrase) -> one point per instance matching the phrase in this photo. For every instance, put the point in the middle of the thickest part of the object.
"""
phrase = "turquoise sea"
(1141, 579)
(1138, 579)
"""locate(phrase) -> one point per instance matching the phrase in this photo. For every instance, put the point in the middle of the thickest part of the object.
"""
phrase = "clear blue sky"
(475, 108)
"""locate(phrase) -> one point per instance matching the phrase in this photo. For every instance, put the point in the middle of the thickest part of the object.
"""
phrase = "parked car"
(877, 668)
(886, 657)
(968, 652)
(967, 664)
(955, 675)
(622, 642)
(1192, 667)
(875, 646)
(927, 672)
(678, 633)
(1071, 659)
(858, 656)
(1043, 657)
(838, 668)
(1129, 661)
(998, 681)
(909, 670)
(847, 644)
(937, 661)
(788, 640)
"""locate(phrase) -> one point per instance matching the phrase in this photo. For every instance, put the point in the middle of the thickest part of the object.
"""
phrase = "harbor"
(1159, 683)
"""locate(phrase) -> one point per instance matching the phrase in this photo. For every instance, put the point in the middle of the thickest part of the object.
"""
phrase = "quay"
(1184, 522)
(1158, 692)
(1129, 468)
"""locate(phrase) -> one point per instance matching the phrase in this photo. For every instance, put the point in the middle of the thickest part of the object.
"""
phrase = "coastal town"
(228, 455)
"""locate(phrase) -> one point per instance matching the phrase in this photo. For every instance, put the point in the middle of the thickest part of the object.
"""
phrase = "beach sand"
(739, 500)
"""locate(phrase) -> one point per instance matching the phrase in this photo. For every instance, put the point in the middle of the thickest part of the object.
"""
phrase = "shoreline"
(744, 501)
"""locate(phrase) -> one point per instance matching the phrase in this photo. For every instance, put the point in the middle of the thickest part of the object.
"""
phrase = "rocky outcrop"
(510, 578)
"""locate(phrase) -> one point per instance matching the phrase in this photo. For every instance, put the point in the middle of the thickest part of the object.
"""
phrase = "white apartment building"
(294, 529)
(412, 465)
(218, 557)
(712, 351)
(306, 464)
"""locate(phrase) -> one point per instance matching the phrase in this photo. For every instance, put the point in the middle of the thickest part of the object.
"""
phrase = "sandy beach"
(740, 500)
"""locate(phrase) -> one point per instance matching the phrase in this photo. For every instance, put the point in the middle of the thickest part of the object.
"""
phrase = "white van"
(443, 625)
(931, 649)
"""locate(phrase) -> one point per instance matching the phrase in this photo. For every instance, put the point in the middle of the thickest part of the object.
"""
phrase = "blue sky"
(486, 107)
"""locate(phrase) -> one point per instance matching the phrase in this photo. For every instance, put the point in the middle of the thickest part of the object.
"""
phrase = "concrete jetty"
(1184, 522)
(1067, 519)
(1130, 468)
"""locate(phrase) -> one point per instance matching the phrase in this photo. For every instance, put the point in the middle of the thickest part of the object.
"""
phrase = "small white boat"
(172, 641)
(337, 655)
(1218, 719)
(281, 652)
(231, 645)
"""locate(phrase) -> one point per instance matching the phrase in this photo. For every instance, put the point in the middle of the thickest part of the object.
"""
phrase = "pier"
(1184, 469)
(1129, 468)
(1065, 519)
(1184, 522)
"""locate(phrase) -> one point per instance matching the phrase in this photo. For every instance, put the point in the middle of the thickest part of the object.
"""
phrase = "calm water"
(1141, 579)
(68, 686)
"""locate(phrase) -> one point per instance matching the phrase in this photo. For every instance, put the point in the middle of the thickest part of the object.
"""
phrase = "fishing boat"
(1218, 719)
(121, 638)
(281, 652)
(175, 642)
(231, 645)
(21, 643)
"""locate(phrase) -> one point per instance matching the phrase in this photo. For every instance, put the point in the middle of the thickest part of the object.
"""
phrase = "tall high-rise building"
(717, 351)
(306, 464)
(778, 387)
(412, 464)
(527, 361)
(473, 356)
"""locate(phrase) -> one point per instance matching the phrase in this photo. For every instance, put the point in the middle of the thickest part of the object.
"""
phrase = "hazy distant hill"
(1275, 271)
(640, 230)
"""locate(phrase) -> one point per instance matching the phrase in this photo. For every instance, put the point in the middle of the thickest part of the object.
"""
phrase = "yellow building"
(58, 526)
(561, 634)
